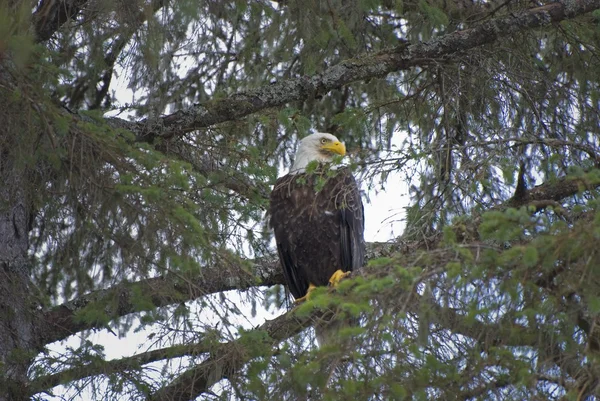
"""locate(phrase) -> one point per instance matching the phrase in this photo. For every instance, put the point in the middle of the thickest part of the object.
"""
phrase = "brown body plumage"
(318, 222)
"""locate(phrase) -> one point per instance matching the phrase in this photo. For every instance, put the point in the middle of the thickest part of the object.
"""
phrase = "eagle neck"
(303, 158)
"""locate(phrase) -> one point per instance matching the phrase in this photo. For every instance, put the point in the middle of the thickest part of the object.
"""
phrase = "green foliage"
(15, 37)
(379, 262)
(504, 226)
(434, 15)
(95, 313)
(449, 235)
(476, 303)
(255, 343)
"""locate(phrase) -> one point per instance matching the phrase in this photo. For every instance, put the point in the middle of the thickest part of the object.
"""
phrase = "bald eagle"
(317, 217)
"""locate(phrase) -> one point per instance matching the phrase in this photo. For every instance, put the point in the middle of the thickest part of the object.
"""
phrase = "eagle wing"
(351, 212)
(283, 208)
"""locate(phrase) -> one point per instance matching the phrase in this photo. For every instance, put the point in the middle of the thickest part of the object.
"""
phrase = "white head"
(320, 147)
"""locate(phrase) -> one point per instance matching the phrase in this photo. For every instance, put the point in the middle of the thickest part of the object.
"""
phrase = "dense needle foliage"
(140, 139)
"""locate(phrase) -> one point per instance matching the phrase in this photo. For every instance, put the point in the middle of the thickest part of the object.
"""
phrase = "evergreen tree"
(149, 214)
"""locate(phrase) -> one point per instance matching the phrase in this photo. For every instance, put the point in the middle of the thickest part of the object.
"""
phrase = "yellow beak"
(335, 147)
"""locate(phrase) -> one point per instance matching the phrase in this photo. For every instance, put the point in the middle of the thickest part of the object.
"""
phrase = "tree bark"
(17, 328)
(19, 340)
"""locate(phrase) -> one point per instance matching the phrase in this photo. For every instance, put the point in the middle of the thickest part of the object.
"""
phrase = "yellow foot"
(311, 287)
(337, 277)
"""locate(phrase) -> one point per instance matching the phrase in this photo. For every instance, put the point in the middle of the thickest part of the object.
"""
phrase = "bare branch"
(549, 193)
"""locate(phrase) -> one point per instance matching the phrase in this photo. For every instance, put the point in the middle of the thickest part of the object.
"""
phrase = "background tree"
(145, 215)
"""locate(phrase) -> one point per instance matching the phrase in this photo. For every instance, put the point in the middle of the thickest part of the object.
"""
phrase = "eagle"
(317, 215)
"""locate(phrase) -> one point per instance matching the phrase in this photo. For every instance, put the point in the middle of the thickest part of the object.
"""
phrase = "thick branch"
(229, 358)
(401, 57)
(278, 329)
(558, 190)
(61, 322)
(226, 360)
(98, 367)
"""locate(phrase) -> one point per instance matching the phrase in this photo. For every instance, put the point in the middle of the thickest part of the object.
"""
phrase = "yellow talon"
(311, 287)
(337, 277)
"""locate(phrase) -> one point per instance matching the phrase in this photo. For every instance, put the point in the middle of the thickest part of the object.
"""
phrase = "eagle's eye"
(324, 140)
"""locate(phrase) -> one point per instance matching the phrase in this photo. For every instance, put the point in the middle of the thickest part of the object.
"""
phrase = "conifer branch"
(229, 358)
(115, 366)
(61, 321)
(226, 359)
(402, 57)
(278, 329)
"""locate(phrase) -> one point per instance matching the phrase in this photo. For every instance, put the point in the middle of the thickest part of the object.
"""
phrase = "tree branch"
(208, 164)
(226, 359)
(401, 57)
(278, 329)
(229, 358)
(98, 367)
(555, 191)
(121, 35)
(61, 321)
